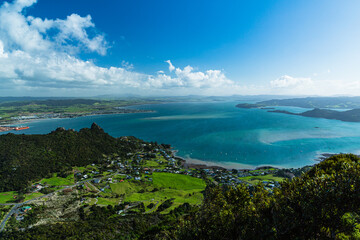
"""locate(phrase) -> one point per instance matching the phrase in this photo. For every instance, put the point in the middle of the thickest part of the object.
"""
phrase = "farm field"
(108, 201)
(32, 196)
(180, 188)
(177, 181)
(257, 179)
(58, 181)
(6, 197)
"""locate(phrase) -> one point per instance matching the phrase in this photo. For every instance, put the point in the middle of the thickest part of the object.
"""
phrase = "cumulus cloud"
(2, 53)
(171, 67)
(187, 77)
(291, 82)
(40, 54)
(317, 86)
(33, 34)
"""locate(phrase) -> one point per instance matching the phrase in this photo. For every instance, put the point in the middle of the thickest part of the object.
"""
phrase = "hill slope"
(25, 158)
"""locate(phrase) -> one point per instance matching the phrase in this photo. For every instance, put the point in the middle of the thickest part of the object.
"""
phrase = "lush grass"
(87, 168)
(129, 187)
(180, 197)
(80, 169)
(58, 181)
(6, 197)
(184, 189)
(257, 179)
(262, 170)
(32, 196)
(108, 201)
(118, 176)
(177, 181)
(91, 187)
(120, 188)
(91, 201)
(152, 164)
(55, 188)
(195, 199)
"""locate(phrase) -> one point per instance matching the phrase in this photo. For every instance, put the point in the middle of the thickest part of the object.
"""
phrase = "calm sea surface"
(220, 133)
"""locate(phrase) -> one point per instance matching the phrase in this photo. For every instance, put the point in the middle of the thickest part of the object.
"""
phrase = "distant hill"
(24, 158)
(15, 99)
(346, 116)
(50, 102)
(320, 107)
(315, 102)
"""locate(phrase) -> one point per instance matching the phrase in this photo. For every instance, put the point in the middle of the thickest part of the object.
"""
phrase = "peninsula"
(322, 107)
(346, 116)
(27, 110)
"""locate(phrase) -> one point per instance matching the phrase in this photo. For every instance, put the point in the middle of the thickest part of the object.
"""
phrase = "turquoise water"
(219, 132)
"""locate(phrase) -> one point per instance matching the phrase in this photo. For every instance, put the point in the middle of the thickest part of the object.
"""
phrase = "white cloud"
(15, 30)
(2, 53)
(32, 34)
(287, 85)
(74, 27)
(188, 78)
(171, 67)
(38, 55)
(291, 82)
(127, 65)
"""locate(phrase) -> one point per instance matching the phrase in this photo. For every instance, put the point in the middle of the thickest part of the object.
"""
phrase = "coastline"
(201, 164)
(7, 126)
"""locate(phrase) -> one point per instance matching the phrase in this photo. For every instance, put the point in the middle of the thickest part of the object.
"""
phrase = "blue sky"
(304, 47)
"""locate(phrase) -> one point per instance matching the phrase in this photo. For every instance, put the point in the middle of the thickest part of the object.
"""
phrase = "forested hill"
(315, 102)
(321, 107)
(323, 203)
(25, 158)
(52, 102)
(347, 116)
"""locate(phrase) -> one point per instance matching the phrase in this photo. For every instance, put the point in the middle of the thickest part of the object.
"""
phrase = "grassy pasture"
(257, 179)
(32, 196)
(108, 201)
(6, 197)
(128, 187)
(180, 197)
(177, 181)
(184, 189)
(58, 181)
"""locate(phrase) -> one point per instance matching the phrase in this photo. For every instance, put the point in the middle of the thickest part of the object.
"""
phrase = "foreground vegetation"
(114, 194)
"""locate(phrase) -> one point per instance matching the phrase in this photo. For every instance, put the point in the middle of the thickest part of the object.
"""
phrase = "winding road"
(153, 208)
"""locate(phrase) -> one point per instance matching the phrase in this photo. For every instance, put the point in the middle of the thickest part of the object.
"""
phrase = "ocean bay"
(219, 133)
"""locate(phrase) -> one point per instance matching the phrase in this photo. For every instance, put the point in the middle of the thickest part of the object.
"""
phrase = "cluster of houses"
(36, 187)
(133, 169)
(42, 116)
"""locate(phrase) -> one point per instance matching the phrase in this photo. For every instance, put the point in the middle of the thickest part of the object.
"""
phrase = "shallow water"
(219, 132)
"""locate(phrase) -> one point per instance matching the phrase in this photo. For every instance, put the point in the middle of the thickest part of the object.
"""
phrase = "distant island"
(346, 116)
(320, 107)
(249, 105)
(308, 102)
(315, 102)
